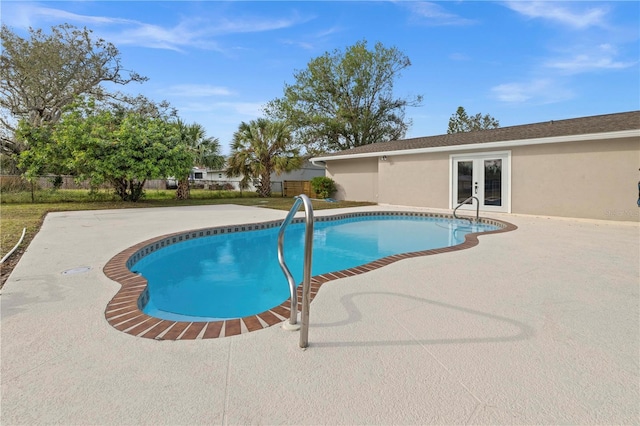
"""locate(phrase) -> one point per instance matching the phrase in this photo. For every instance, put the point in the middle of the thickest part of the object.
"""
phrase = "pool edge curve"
(123, 312)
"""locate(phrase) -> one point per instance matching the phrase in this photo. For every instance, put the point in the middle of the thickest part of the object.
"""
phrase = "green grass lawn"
(18, 212)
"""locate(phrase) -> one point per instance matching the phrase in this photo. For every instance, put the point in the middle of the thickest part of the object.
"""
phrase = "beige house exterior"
(582, 168)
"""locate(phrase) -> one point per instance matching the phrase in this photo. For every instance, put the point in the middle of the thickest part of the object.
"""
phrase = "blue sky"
(219, 63)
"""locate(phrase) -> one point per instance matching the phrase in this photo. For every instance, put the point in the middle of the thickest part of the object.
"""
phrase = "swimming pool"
(344, 245)
(234, 275)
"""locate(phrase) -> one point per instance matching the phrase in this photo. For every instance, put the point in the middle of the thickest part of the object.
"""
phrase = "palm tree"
(260, 148)
(205, 152)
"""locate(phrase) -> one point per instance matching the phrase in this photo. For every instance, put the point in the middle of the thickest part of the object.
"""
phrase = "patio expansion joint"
(478, 400)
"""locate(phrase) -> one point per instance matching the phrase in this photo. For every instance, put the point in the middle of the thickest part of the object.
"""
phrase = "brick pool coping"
(124, 314)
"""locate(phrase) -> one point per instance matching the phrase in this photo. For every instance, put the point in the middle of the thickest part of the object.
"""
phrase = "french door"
(484, 176)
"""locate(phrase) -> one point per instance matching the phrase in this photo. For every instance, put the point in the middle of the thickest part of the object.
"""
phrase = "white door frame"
(505, 156)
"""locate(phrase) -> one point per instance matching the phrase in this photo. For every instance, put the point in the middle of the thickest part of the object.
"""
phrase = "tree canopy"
(94, 143)
(41, 75)
(461, 122)
(345, 99)
(204, 150)
(259, 148)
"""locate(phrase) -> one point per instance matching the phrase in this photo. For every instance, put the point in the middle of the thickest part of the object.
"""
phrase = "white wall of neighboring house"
(218, 177)
(306, 172)
(198, 174)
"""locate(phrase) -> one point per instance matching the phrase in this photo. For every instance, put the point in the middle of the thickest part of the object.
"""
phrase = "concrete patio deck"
(536, 326)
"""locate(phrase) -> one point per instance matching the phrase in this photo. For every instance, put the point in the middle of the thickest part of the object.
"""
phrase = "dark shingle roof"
(555, 128)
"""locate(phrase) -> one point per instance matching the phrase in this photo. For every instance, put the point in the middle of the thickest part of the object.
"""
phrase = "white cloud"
(511, 92)
(239, 110)
(58, 15)
(247, 109)
(192, 32)
(314, 40)
(539, 91)
(328, 32)
(434, 14)
(153, 36)
(459, 57)
(601, 57)
(253, 25)
(560, 12)
(25, 15)
(302, 44)
(196, 90)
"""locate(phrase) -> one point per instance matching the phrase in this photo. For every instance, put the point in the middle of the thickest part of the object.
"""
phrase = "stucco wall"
(593, 179)
(415, 180)
(589, 179)
(356, 180)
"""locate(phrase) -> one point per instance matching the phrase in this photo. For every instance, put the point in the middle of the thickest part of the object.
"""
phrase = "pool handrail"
(465, 202)
(306, 282)
(293, 318)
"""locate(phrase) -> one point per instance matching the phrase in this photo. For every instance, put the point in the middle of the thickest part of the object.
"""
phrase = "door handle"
(476, 188)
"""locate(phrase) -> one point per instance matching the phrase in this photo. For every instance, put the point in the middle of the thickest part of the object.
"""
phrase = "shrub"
(323, 186)
(56, 181)
(217, 186)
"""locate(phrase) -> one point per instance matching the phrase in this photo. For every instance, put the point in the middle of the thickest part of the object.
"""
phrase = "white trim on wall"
(487, 145)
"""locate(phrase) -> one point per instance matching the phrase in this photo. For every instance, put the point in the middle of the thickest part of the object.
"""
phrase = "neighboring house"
(198, 174)
(582, 167)
(307, 171)
(219, 177)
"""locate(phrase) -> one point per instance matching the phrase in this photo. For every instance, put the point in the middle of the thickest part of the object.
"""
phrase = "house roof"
(523, 134)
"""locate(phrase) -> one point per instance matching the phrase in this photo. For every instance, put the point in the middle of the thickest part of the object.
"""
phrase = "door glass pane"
(492, 182)
(465, 177)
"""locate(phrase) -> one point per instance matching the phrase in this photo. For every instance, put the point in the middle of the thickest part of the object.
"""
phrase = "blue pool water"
(238, 274)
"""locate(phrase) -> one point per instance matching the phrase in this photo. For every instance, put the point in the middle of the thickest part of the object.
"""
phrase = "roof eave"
(487, 145)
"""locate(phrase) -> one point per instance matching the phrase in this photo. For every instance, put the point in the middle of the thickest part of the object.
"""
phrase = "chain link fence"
(17, 183)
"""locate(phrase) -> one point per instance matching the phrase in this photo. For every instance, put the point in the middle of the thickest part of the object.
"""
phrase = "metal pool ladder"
(464, 202)
(306, 282)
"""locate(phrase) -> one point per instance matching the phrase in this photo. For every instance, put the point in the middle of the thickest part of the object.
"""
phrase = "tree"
(460, 122)
(41, 156)
(98, 145)
(204, 150)
(259, 148)
(345, 99)
(42, 75)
